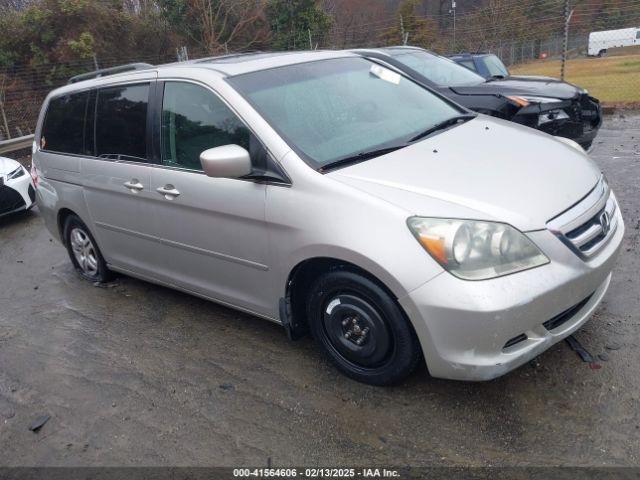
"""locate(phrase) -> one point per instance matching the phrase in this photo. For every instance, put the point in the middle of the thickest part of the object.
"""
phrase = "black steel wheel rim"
(356, 331)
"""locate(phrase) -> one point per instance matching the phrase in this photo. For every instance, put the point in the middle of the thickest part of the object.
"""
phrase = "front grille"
(10, 200)
(587, 226)
(565, 316)
(575, 111)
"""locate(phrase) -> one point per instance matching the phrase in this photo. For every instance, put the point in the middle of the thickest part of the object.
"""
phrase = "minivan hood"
(540, 87)
(486, 169)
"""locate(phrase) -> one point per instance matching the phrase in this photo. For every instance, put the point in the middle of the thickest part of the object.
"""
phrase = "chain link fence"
(600, 43)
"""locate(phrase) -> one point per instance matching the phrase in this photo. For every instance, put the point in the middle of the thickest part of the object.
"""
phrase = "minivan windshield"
(338, 109)
(439, 70)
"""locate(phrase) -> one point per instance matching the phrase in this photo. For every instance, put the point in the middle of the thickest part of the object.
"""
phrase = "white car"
(17, 190)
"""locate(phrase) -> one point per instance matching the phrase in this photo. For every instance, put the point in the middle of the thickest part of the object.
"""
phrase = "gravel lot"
(135, 374)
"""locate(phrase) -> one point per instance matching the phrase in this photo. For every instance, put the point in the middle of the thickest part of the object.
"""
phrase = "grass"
(613, 80)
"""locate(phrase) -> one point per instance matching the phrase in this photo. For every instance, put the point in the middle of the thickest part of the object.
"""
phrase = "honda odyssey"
(332, 195)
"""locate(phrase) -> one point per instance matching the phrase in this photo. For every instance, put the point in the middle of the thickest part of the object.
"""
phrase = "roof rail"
(228, 55)
(110, 71)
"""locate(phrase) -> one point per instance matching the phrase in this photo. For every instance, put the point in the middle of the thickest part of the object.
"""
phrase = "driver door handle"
(169, 191)
(134, 185)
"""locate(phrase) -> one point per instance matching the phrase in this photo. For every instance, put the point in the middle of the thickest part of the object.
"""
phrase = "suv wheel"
(84, 252)
(361, 328)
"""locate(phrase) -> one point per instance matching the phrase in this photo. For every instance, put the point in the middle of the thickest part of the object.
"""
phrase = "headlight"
(525, 101)
(17, 173)
(476, 250)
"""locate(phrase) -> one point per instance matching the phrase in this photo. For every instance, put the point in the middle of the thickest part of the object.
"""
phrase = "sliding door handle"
(134, 185)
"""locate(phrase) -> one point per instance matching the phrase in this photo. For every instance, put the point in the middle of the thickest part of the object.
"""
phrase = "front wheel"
(361, 328)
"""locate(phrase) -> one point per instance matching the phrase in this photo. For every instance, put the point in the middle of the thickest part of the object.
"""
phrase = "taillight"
(34, 175)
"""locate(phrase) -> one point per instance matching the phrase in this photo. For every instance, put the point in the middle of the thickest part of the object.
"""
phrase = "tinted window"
(63, 129)
(121, 122)
(193, 120)
(332, 109)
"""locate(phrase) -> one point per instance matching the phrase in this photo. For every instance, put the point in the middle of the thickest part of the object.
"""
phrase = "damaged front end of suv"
(578, 118)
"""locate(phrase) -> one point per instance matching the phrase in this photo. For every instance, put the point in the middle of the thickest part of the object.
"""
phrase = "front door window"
(194, 119)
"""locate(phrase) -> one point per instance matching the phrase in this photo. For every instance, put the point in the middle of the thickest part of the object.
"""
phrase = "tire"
(84, 252)
(361, 328)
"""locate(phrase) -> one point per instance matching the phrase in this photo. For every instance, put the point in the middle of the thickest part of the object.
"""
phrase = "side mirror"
(228, 161)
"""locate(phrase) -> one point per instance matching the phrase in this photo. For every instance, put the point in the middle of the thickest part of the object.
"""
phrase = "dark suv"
(550, 105)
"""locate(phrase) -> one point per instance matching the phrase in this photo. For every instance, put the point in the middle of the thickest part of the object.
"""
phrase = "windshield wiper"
(442, 125)
(359, 157)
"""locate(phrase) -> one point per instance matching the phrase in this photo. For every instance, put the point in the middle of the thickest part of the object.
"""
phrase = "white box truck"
(600, 42)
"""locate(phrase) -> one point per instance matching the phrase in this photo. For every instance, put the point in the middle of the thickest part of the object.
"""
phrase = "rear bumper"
(465, 327)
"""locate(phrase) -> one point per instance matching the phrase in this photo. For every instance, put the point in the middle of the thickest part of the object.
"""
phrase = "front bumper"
(464, 326)
(16, 195)
(585, 119)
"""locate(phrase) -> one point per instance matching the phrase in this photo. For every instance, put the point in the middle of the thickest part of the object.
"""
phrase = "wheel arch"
(301, 277)
(62, 216)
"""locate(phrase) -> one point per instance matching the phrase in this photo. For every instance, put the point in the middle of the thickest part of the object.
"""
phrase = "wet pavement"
(136, 374)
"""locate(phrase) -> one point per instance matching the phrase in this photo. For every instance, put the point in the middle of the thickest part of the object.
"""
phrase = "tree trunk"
(4, 120)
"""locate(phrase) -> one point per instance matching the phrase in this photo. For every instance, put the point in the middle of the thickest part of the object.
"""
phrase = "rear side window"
(63, 129)
(121, 122)
(193, 120)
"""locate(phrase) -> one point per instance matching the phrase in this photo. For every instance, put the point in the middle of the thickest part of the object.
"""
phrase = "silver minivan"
(335, 196)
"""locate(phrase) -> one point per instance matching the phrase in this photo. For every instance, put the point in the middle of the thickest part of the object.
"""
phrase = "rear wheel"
(84, 252)
(361, 328)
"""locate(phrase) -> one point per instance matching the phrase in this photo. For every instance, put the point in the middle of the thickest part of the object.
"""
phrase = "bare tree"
(227, 22)
(3, 115)
(12, 5)
(355, 22)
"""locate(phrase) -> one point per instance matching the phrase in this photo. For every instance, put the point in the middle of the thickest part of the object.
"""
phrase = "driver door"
(212, 230)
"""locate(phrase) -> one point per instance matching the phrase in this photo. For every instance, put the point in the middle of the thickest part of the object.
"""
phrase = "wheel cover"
(356, 331)
(84, 251)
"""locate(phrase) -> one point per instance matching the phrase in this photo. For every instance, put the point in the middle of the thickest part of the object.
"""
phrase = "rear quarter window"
(63, 128)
